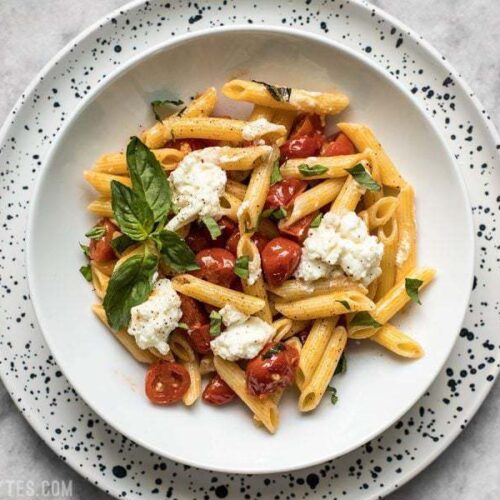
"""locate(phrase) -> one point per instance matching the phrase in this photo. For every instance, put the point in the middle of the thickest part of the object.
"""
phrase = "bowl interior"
(378, 387)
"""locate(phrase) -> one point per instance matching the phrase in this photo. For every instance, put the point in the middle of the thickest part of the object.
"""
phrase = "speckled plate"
(120, 466)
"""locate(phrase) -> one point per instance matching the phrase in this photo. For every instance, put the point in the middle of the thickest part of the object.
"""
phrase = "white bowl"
(378, 387)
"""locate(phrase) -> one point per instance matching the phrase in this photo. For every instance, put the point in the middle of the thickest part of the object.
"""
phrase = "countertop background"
(465, 31)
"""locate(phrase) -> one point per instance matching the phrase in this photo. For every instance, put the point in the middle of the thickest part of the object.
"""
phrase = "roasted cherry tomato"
(227, 228)
(272, 369)
(284, 192)
(259, 239)
(199, 237)
(307, 124)
(199, 338)
(166, 382)
(280, 258)
(216, 266)
(301, 147)
(192, 311)
(298, 231)
(101, 250)
(337, 145)
(217, 392)
(303, 336)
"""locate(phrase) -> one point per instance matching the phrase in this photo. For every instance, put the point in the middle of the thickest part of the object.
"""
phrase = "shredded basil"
(333, 398)
(159, 106)
(241, 267)
(311, 170)
(212, 226)
(411, 286)
(183, 326)
(279, 213)
(266, 213)
(363, 178)
(364, 318)
(86, 250)
(121, 243)
(281, 94)
(96, 233)
(273, 350)
(86, 272)
(276, 173)
(341, 366)
(345, 304)
(317, 220)
(215, 324)
(175, 251)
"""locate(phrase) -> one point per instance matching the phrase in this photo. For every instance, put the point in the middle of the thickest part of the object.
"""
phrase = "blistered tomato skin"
(307, 124)
(259, 239)
(192, 311)
(199, 338)
(298, 231)
(280, 258)
(338, 145)
(100, 250)
(217, 392)
(199, 237)
(301, 147)
(274, 368)
(216, 266)
(283, 193)
(166, 382)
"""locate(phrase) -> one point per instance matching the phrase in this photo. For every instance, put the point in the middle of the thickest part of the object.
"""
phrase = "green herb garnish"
(241, 267)
(412, 285)
(183, 326)
(363, 178)
(281, 94)
(86, 272)
(175, 251)
(364, 318)
(215, 324)
(311, 170)
(279, 213)
(96, 233)
(121, 243)
(273, 350)
(276, 173)
(317, 220)
(212, 226)
(341, 366)
(345, 304)
(266, 213)
(333, 398)
(86, 250)
(159, 106)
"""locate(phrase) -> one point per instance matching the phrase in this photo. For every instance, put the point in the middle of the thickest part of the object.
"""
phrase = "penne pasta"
(101, 207)
(236, 189)
(380, 212)
(207, 364)
(99, 280)
(101, 182)
(230, 205)
(349, 196)
(194, 389)
(261, 112)
(406, 253)
(181, 347)
(397, 342)
(388, 236)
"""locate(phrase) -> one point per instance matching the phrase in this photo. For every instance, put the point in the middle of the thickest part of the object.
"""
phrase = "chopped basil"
(364, 318)
(158, 106)
(277, 93)
(215, 324)
(121, 243)
(212, 226)
(363, 178)
(345, 304)
(86, 272)
(175, 251)
(279, 213)
(311, 170)
(183, 326)
(274, 350)
(241, 267)
(129, 285)
(266, 213)
(96, 233)
(341, 366)
(317, 220)
(333, 398)
(85, 250)
(412, 285)
(276, 173)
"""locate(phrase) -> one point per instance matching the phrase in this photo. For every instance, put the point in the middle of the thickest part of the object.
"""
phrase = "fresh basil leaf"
(311, 170)
(333, 398)
(266, 213)
(277, 93)
(121, 243)
(86, 272)
(364, 318)
(132, 213)
(175, 251)
(345, 304)
(317, 220)
(241, 267)
(129, 285)
(158, 106)
(96, 233)
(341, 366)
(411, 286)
(212, 226)
(183, 326)
(279, 213)
(215, 324)
(148, 178)
(276, 173)
(363, 178)
(273, 350)
(85, 250)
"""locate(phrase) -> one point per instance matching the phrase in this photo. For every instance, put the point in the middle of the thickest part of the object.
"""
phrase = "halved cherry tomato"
(259, 239)
(272, 369)
(216, 266)
(280, 258)
(339, 144)
(217, 392)
(199, 237)
(298, 231)
(301, 147)
(101, 250)
(227, 228)
(284, 192)
(192, 311)
(166, 382)
(307, 124)
(199, 338)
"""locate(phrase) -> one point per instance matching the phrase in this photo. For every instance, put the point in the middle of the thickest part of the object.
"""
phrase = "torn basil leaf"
(86, 272)
(215, 324)
(346, 304)
(341, 366)
(279, 213)
(212, 226)
(96, 233)
(311, 170)
(86, 250)
(121, 243)
(316, 221)
(273, 350)
(175, 251)
(364, 318)
(241, 267)
(276, 173)
(159, 106)
(333, 394)
(363, 178)
(411, 286)
(281, 94)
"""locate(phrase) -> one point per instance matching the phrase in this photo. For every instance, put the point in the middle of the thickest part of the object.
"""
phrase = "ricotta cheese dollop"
(232, 315)
(242, 340)
(341, 241)
(258, 128)
(197, 184)
(152, 321)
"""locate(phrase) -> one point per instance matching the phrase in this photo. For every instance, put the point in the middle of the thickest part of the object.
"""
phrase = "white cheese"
(243, 206)
(197, 184)
(254, 269)
(242, 340)
(232, 316)
(304, 100)
(152, 321)
(403, 250)
(340, 241)
(256, 129)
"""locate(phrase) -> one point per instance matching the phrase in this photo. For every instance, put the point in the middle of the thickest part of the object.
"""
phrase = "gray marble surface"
(465, 31)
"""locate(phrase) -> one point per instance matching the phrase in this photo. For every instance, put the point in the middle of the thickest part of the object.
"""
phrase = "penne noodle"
(101, 207)
(287, 119)
(349, 196)
(230, 205)
(99, 280)
(372, 197)
(207, 364)
(282, 327)
(101, 182)
(261, 112)
(194, 389)
(406, 253)
(236, 189)
(397, 342)
(380, 212)
(388, 236)
(181, 347)
(216, 295)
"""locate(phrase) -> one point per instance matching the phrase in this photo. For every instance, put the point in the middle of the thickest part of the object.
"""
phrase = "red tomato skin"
(216, 266)
(199, 338)
(227, 228)
(284, 192)
(100, 250)
(266, 375)
(298, 231)
(280, 258)
(307, 124)
(192, 311)
(337, 145)
(259, 239)
(303, 336)
(199, 237)
(217, 392)
(166, 382)
(301, 147)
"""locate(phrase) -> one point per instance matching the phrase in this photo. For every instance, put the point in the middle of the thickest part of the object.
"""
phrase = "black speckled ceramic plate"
(118, 465)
